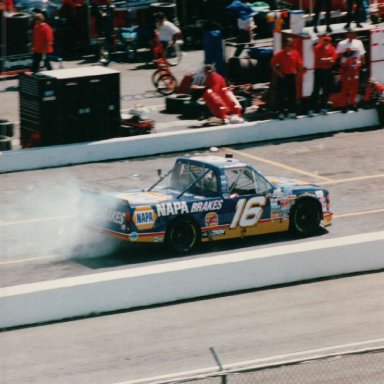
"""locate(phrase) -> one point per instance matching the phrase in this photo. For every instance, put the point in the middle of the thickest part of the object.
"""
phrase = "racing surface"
(42, 237)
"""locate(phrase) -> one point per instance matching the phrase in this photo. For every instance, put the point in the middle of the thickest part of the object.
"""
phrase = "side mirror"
(159, 172)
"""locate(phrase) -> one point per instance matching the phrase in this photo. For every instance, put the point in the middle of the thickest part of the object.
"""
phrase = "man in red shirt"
(325, 57)
(42, 43)
(286, 65)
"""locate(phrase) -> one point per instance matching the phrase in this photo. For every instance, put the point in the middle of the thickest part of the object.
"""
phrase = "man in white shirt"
(351, 53)
(168, 32)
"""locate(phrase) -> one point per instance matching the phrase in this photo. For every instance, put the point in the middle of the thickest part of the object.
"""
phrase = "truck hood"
(147, 198)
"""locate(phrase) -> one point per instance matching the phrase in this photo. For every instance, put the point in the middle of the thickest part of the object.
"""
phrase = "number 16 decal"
(249, 212)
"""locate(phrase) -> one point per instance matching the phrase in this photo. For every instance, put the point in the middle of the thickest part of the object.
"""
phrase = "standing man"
(328, 8)
(356, 16)
(42, 43)
(168, 32)
(245, 26)
(351, 52)
(287, 64)
(325, 57)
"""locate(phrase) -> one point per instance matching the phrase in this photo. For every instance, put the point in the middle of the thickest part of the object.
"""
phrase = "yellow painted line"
(357, 178)
(380, 210)
(26, 260)
(10, 223)
(279, 165)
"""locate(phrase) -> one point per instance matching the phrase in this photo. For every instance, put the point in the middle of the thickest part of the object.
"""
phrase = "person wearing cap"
(351, 53)
(287, 64)
(42, 43)
(328, 7)
(325, 57)
(245, 25)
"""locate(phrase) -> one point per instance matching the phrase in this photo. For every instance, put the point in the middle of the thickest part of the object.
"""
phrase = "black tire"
(168, 8)
(166, 84)
(182, 236)
(243, 102)
(5, 143)
(6, 128)
(175, 103)
(195, 110)
(305, 218)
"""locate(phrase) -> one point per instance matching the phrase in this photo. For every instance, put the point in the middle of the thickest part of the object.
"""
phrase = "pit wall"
(147, 145)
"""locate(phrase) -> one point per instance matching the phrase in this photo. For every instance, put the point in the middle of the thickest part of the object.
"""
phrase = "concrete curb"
(120, 148)
(186, 279)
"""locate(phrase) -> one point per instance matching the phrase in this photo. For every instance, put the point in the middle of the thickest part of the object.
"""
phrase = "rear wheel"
(182, 236)
(305, 218)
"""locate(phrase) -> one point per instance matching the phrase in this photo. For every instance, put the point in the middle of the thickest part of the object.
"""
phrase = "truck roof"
(215, 161)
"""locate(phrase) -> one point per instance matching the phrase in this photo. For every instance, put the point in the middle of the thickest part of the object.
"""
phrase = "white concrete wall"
(46, 157)
(169, 282)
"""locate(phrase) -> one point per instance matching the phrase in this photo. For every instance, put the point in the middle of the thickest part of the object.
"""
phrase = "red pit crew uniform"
(351, 53)
(325, 57)
(287, 63)
(220, 100)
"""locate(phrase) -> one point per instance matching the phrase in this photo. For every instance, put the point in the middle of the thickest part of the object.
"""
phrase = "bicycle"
(163, 79)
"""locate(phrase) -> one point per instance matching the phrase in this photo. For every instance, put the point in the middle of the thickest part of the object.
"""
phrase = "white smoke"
(49, 219)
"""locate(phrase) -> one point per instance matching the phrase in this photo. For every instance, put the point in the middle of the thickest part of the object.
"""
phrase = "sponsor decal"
(144, 217)
(181, 207)
(116, 217)
(211, 219)
(275, 214)
(203, 206)
(174, 208)
(319, 194)
(133, 236)
(285, 203)
(214, 233)
(275, 203)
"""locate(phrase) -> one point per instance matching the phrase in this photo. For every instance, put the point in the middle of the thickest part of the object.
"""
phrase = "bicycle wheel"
(157, 74)
(166, 84)
(174, 53)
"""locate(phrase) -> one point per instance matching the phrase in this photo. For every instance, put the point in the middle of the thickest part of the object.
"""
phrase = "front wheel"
(305, 218)
(182, 236)
(166, 84)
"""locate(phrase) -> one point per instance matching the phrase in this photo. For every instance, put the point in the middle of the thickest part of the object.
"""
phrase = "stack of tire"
(6, 134)
(168, 8)
(180, 103)
(17, 33)
(183, 104)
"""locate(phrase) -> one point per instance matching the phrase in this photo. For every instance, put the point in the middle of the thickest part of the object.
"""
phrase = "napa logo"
(144, 217)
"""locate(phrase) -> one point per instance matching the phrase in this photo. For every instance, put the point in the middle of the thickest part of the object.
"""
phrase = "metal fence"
(366, 367)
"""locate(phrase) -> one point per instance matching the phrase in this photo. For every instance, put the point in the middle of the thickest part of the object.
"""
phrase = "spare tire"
(6, 128)
(195, 110)
(168, 8)
(174, 103)
(5, 143)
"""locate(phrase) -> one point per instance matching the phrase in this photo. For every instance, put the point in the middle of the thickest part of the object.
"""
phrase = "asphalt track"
(40, 240)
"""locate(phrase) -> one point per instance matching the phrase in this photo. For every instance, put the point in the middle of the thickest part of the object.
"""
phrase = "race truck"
(207, 198)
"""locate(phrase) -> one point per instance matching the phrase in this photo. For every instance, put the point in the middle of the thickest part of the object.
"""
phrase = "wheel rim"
(166, 84)
(183, 236)
(307, 218)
